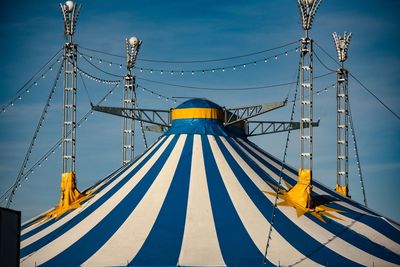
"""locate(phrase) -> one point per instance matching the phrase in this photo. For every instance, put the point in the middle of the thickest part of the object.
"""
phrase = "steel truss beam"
(152, 116)
(235, 115)
(270, 127)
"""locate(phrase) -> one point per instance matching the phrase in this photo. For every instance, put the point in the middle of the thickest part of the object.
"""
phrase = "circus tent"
(203, 196)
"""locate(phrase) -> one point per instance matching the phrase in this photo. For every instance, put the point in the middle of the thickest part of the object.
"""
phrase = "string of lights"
(182, 72)
(158, 95)
(33, 82)
(93, 78)
(357, 156)
(35, 136)
(323, 90)
(194, 61)
(45, 157)
(282, 168)
(141, 126)
(228, 89)
(101, 70)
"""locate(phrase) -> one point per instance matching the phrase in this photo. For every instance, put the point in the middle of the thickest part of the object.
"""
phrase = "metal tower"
(308, 9)
(70, 12)
(129, 100)
(300, 194)
(342, 116)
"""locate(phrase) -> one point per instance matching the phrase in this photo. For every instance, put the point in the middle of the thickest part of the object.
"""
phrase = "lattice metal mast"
(129, 100)
(342, 115)
(308, 8)
(70, 12)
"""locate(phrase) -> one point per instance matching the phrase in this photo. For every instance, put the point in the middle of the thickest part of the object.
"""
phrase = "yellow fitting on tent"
(343, 190)
(70, 197)
(300, 194)
(299, 197)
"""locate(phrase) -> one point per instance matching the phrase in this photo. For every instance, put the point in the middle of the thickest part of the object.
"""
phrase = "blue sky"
(194, 30)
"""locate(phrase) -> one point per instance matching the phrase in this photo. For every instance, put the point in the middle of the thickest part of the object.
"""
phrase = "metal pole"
(70, 12)
(306, 103)
(342, 116)
(129, 101)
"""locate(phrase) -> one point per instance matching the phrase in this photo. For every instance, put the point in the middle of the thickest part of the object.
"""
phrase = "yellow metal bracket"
(343, 190)
(299, 197)
(70, 198)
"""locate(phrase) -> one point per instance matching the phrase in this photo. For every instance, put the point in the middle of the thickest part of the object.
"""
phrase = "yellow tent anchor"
(299, 197)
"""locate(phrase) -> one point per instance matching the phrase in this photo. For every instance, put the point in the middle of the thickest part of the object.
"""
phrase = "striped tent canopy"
(202, 196)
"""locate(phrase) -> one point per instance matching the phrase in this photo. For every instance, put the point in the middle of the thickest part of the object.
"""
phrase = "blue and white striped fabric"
(199, 200)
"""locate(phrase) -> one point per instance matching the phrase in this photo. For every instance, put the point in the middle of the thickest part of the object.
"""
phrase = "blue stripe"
(92, 241)
(350, 236)
(315, 183)
(357, 240)
(163, 245)
(51, 221)
(236, 245)
(377, 223)
(85, 212)
(295, 235)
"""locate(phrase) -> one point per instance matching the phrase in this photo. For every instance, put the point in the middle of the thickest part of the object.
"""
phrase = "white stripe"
(200, 245)
(57, 246)
(286, 171)
(369, 233)
(126, 242)
(253, 220)
(77, 211)
(319, 233)
(87, 204)
(358, 227)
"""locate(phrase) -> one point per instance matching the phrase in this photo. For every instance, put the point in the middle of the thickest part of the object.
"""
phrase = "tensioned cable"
(204, 88)
(228, 89)
(194, 70)
(167, 98)
(106, 72)
(322, 63)
(54, 147)
(353, 134)
(193, 61)
(19, 93)
(86, 90)
(281, 170)
(35, 135)
(375, 96)
(362, 85)
(141, 124)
